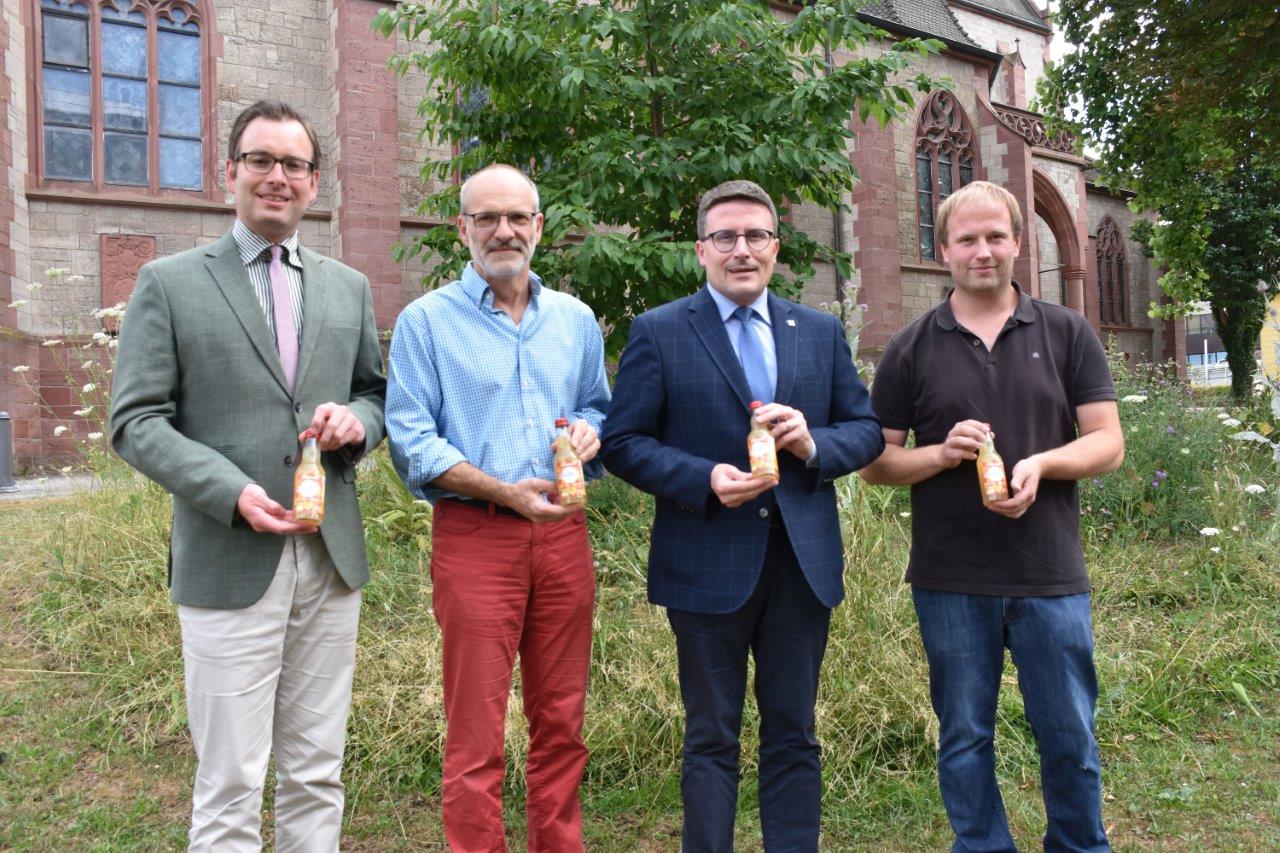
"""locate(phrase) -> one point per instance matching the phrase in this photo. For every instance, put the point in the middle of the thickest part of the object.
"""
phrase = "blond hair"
(979, 191)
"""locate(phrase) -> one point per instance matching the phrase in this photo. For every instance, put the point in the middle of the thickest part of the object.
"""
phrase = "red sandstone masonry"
(369, 212)
(877, 257)
(121, 256)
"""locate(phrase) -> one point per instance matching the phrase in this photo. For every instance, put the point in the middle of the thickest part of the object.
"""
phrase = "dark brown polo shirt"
(1045, 362)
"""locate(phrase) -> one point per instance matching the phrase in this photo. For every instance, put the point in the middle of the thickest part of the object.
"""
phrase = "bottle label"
(308, 489)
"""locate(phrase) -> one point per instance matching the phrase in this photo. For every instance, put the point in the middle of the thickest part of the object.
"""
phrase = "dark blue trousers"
(784, 626)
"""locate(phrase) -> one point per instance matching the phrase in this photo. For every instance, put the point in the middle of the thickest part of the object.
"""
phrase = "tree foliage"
(1179, 96)
(626, 111)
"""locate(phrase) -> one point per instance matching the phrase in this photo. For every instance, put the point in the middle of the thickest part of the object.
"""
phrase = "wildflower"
(34, 285)
(52, 342)
(56, 272)
(74, 279)
(1160, 475)
(21, 368)
(113, 343)
(85, 365)
(89, 386)
(1097, 482)
(94, 436)
(1231, 422)
(1209, 531)
(1254, 489)
(87, 410)
(66, 470)
(1215, 549)
(101, 337)
(1186, 451)
(59, 430)
(1134, 398)
(1170, 430)
(1222, 415)
(17, 303)
(905, 514)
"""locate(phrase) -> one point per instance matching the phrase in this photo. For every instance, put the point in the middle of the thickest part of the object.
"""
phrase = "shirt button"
(764, 513)
(528, 424)
(297, 407)
(975, 343)
(288, 462)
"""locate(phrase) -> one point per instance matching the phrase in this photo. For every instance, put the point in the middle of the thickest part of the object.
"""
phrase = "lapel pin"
(791, 322)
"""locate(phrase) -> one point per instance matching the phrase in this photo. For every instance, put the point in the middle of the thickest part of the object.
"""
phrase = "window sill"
(124, 199)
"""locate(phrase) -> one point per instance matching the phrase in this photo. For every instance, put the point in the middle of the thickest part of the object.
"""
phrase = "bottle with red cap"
(571, 484)
(308, 483)
(760, 448)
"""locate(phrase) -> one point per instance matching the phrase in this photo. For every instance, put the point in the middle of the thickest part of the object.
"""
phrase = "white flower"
(905, 514)
(85, 365)
(66, 470)
(1235, 528)
(1231, 422)
(74, 279)
(1209, 531)
(59, 430)
(1215, 549)
(94, 436)
(1222, 415)
(1186, 451)
(83, 412)
(113, 343)
(35, 285)
(52, 342)
(101, 337)
(89, 386)
(1134, 398)
(17, 303)
(56, 272)
(1254, 489)
(21, 368)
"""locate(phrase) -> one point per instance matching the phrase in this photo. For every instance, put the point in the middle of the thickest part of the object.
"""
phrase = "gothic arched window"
(945, 161)
(1113, 283)
(121, 94)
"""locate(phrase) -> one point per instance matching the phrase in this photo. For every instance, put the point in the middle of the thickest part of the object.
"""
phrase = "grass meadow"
(1180, 542)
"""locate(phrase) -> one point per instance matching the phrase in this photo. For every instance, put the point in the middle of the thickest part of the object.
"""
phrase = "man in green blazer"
(227, 353)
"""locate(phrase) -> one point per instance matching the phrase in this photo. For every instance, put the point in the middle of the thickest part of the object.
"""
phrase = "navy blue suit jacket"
(680, 408)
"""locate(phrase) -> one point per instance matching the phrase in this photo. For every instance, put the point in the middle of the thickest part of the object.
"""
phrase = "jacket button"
(288, 462)
(764, 513)
(297, 408)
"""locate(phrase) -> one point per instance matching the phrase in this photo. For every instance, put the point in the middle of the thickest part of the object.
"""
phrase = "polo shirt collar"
(1023, 313)
(251, 245)
(479, 291)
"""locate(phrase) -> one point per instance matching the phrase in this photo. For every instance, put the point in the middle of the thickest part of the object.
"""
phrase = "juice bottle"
(571, 485)
(760, 448)
(308, 483)
(991, 479)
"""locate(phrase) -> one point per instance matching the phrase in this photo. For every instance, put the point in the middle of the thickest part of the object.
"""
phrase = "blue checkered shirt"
(466, 384)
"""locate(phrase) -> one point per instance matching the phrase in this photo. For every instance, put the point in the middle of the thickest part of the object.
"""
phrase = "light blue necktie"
(751, 354)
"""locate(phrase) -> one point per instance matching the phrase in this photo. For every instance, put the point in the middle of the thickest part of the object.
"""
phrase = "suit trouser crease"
(784, 626)
(272, 677)
(503, 587)
(1051, 642)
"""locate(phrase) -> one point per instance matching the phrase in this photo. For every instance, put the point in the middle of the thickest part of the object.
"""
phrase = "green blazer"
(199, 405)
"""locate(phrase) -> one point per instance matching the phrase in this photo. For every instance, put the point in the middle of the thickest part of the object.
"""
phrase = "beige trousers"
(274, 677)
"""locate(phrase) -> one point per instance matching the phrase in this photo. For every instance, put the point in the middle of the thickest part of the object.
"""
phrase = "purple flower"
(1155, 484)
(1160, 475)
(1170, 430)
(1097, 482)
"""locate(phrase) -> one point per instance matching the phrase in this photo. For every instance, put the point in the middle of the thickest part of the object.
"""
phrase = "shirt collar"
(479, 291)
(1023, 313)
(251, 245)
(727, 306)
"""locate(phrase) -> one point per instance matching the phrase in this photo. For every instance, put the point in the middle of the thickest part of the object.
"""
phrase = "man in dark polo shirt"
(990, 357)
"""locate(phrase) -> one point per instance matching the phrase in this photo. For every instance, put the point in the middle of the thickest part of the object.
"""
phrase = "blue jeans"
(1051, 641)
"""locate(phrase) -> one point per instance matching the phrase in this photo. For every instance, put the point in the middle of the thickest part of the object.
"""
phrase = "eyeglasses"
(758, 239)
(488, 220)
(262, 163)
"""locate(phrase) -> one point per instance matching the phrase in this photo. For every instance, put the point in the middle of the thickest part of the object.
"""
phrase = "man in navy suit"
(742, 564)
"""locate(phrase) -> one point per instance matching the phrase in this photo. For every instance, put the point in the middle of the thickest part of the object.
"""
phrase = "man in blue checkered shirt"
(480, 370)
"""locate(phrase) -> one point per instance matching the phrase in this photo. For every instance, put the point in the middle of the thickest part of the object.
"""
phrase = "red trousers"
(503, 586)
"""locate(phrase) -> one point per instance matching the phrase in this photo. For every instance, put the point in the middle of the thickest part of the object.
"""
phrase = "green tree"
(627, 110)
(1178, 97)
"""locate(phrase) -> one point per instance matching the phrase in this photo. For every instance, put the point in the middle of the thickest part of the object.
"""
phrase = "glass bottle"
(760, 448)
(991, 477)
(308, 483)
(571, 485)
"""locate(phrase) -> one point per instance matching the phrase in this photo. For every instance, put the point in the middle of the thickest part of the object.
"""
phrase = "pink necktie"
(282, 308)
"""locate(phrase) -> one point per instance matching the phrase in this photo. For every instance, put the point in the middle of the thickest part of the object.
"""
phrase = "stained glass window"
(944, 161)
(121, 89)
(1113, 283)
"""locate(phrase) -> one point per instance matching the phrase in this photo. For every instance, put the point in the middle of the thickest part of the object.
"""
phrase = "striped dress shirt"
(466, 384)
(257, 262)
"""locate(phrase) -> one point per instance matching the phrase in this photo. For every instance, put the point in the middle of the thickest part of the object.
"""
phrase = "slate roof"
(1018, 11)
(923, 16)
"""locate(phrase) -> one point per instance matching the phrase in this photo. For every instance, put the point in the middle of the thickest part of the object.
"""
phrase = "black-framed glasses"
(487, 220)
(261, 163)
(758, 239)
